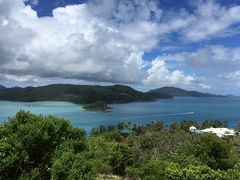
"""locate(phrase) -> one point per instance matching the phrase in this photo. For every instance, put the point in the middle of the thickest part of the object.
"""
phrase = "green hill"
(177, 92)
(79, 94)
(90, 95)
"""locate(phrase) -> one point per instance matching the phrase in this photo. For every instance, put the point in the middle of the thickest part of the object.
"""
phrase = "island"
(96, 106)
(93, 97)
(178, 92)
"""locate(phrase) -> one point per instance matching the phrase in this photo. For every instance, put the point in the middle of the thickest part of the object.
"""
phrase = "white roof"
(192, 128)
(218, 131)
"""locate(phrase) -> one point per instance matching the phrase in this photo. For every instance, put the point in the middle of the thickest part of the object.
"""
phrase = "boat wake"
(160, 115)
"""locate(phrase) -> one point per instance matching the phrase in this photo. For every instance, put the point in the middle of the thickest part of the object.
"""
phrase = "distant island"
(178, 92)
(93, 97)
(78, 94)
(97, 106)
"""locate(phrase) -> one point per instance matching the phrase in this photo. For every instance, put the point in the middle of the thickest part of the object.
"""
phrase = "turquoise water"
(166, 110)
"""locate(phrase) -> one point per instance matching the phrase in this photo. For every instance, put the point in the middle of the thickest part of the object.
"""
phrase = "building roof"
(220, 132)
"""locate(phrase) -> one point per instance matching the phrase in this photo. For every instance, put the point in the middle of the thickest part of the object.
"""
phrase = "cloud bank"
(105, 41)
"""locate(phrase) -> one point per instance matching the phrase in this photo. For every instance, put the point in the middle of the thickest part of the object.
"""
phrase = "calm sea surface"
(166, 110)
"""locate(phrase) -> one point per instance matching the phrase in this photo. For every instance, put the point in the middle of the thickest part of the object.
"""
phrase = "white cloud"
(208, 20)
(214, 65)
(76, 44)
(33, 2)
(214, 58)
(232, 77)
(212, 20)
(159, 75)
(105, 41)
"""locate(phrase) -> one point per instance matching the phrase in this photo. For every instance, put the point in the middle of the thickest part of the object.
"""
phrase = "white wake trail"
(160, 115)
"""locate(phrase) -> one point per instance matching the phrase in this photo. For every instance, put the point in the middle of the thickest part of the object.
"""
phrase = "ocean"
(165, 110)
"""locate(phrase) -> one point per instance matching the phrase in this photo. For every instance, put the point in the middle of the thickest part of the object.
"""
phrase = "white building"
(220, 132)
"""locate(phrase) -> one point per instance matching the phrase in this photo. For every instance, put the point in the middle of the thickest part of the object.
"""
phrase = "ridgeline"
(90, 96)
(178, 92)
(78, 94)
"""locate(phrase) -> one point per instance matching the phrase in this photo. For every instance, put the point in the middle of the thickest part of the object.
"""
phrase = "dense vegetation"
(91, 95)
(79, 94)
(177, 92)
(96, 106)
(45, 147)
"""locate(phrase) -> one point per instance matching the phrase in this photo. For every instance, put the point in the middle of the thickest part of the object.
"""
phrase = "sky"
(191, 44)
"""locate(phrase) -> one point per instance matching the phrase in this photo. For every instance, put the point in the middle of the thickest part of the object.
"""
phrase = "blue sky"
(45, 7)
(145, 44)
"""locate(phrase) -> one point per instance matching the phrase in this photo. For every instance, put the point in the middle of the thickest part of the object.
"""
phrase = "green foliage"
(210, 149)
(46, 147)
(183, 126)
(155, 126)
(34, 174)
(29, 141)
(234, 173)
(214, 123)
(174, 171)
(96, 106)
(73, 166)
(99, 148)
(120, 157)
(153, 170)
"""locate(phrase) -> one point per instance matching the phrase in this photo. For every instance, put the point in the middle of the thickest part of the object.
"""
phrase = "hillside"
(79, 94)
(177, 92)
(47, 147)
(86, 94)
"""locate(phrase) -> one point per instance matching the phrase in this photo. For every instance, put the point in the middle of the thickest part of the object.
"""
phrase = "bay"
(165, 110)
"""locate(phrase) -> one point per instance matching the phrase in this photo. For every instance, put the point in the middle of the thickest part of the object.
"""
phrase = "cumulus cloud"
(77, 43)
(159, 75)
(212, 20)
(211, 58)
(215, 65)
(209, 19)
(105, 40)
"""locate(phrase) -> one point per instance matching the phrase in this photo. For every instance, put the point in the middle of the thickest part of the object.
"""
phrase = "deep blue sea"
(165, 110)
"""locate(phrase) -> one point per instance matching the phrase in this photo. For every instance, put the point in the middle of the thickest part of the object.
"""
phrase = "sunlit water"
(165, 110)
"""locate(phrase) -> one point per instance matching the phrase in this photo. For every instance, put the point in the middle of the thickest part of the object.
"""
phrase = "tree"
(155, 126)
(174, 171)
(120, 157)
(183, 126)
(73, 166)
(153, 170)
(29, 141)
(211, 150)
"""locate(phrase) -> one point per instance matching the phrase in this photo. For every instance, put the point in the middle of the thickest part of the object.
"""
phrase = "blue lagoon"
(165, 110)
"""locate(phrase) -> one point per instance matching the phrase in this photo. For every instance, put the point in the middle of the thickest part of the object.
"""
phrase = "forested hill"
(177, 92)
(86, 94)
(79, 94)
